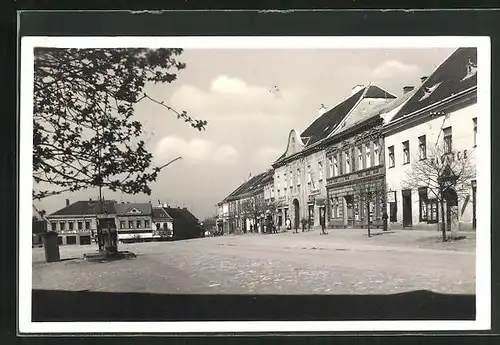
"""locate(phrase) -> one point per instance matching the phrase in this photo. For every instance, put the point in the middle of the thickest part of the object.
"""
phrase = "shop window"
(432, 211)
(422, 194)
(71, 240)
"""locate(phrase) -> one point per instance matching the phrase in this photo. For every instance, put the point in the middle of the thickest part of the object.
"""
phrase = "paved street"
(342, 262)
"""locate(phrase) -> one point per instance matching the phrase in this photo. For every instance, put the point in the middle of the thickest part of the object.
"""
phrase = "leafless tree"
(368, 193)
(444, 172)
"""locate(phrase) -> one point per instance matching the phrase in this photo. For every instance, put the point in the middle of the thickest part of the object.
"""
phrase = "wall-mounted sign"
(391, 197)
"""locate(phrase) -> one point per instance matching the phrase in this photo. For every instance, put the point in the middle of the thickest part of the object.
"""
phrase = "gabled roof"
(323, 126)
(127, 208)
(181, 214)
(252, 185)
(454, 75)
(159, 212)
(90, 207)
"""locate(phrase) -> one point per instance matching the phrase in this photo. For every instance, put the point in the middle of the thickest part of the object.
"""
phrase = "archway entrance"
(296, 217)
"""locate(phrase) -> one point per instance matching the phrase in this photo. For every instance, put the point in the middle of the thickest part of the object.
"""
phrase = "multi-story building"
(77, 223)
(134, 221)
(300, 174)
(245, 208)
(163, 223)
(440, 116)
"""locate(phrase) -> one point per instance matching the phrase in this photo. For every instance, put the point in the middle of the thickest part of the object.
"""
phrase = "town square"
(155, 175)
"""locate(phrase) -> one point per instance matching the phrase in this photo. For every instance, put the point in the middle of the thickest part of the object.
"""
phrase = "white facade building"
(441, 116)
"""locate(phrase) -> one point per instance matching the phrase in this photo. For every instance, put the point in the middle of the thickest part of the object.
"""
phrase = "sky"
(251, 99)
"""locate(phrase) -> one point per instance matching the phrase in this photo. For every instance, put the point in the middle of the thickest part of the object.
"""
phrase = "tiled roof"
(127, 208)
(90, 207)
(252, 185)
(455, 74)
(323, 126)
(159, 212)
(326, 123)
(181, 214)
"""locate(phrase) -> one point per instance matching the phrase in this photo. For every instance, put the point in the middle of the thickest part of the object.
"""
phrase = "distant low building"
(185, 224)
(163, 223)
(77, 223)
(134, 221)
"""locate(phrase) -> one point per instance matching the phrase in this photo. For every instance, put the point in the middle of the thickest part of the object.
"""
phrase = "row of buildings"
(76, 223)
(374, 156)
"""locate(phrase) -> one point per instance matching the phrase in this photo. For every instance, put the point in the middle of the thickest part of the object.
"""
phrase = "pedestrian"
(288, 224)
(384, 217)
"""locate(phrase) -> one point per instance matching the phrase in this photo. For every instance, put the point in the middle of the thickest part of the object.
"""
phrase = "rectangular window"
(146, 223)
(474, 120)
(422, 147)
(298, 177)
(422, 194)
(291, 180)
(87, 225)
(336, 171)
(368, 156)
(360, 157)
(330, 167)
(278, 182)
(391, 156)
(130, 224)
(320, 170)
(406, 152)
(376, 154)
(347, 162)
(70, 226)
(80, 225)
(62, 226)
(448, 143)
(138, 223)
(309, 178)
(122, 224)
(54, 226)
(284, 181)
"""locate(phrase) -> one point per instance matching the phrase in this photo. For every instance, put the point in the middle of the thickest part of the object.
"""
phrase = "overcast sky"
(248, 120)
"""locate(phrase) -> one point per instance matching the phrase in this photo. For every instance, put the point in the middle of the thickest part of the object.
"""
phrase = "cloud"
(267, 155)
(224, 84)
(393, 68)
(233, 97)
(194, 151)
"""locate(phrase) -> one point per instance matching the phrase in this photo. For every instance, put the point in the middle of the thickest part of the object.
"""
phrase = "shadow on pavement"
(54, 305)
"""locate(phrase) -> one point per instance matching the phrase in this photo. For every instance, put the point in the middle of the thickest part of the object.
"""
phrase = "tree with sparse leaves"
(84, 132)
(446, 173)
(369, 193)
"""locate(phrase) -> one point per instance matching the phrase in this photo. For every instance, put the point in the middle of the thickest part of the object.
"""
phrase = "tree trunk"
(368, 218)
(443, 224)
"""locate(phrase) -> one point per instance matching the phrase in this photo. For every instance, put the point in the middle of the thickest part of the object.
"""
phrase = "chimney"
(67, 202)
(357, 88)
(423, 79)
(407, 89)
(322, 109)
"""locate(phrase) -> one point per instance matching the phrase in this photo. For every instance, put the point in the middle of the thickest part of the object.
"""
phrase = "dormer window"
(471, 69)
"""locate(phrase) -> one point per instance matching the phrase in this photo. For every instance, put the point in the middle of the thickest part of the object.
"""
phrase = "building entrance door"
(407, 208)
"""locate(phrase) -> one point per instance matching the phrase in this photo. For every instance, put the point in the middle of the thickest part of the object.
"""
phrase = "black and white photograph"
(351, 172)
